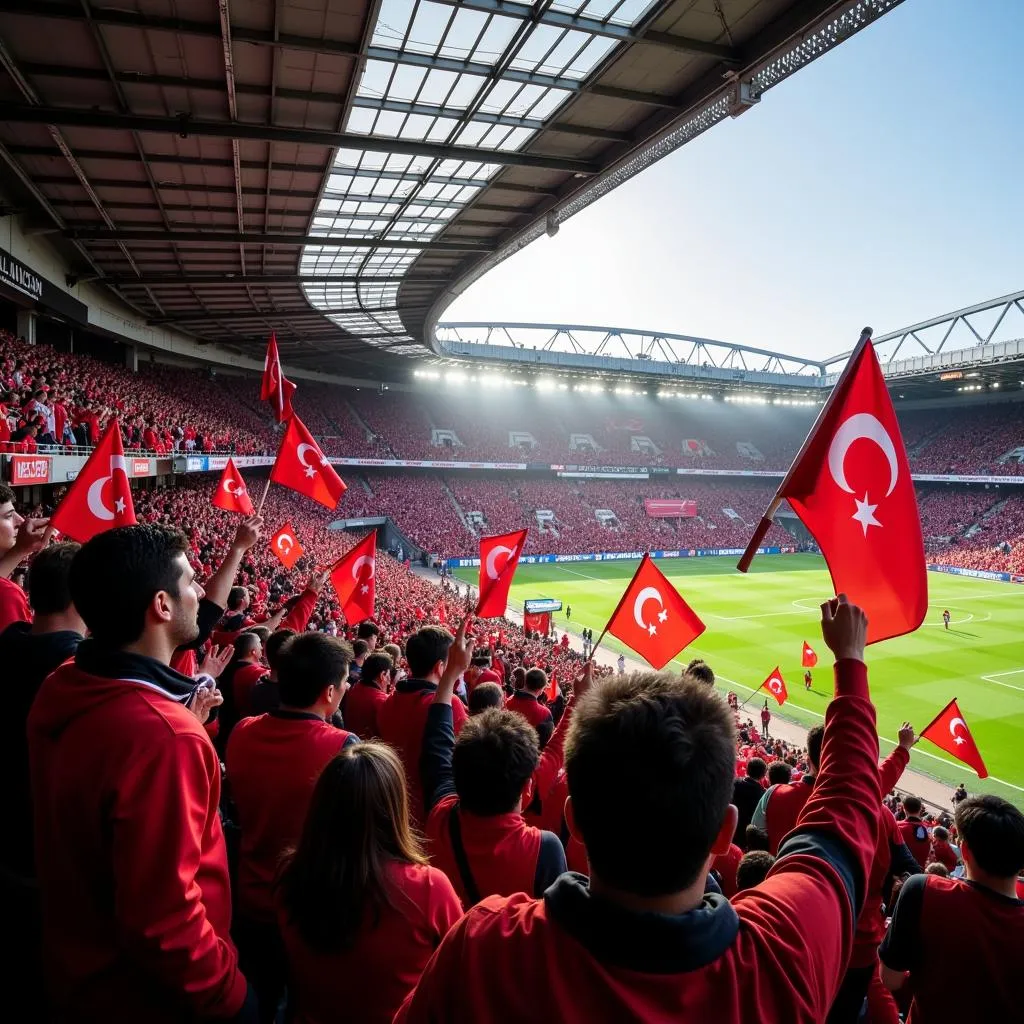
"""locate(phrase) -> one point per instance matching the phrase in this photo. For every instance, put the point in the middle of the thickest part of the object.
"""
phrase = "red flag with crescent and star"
(499, 556)
(301, 466)
(776, 686)
(286, 546)
(275, 388)
(232, 494)
(652, 618)
(808, 658)
(353, 576)
(850, 485)
(100, 497)
(949, 732)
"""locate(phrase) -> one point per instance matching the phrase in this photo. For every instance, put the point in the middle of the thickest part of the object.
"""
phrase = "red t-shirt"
(14, 605)
(368, 982)
(401, 720)
(529, 707)
(273, 762)
(915, 834)
(726, 864)
(362, 703)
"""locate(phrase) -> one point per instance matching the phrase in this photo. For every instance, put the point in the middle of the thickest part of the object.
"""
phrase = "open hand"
(217, 660)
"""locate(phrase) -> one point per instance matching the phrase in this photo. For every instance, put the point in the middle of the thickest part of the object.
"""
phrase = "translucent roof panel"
(429, 77)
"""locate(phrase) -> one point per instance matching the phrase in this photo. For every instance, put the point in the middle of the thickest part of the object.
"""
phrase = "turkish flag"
(659, 637)
(353, 577)
(275, 388)
(776, 686)
(808, 659)
(100, 498)
(301, 466)
(949, 732)
(499, 556)
(231, 494)
(286, 546)
(552, 691)
(850, 485)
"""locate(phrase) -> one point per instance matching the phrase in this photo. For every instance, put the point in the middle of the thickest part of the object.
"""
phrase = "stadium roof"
(338, 173)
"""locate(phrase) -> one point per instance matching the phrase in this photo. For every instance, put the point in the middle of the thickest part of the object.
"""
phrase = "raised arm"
(219, 585)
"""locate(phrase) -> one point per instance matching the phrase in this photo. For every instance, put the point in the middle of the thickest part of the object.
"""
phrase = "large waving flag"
(656, 635)
(354, 578)
(301, 466)
(949, 732)
(100, 498)
(275, 388)
(850, 485)
(499, 556)
(232, 494)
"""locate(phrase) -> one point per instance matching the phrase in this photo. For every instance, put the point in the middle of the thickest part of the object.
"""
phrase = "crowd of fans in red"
(389, 835)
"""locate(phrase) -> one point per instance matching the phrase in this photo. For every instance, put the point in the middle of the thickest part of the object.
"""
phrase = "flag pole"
(921, 732)
(769, 517)
(259, 507)
(751, 694)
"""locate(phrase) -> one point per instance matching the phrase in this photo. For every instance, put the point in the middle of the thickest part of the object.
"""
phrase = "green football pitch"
(758, 621)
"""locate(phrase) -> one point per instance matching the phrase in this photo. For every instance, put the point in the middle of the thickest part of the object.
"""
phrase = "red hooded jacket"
(131, 858)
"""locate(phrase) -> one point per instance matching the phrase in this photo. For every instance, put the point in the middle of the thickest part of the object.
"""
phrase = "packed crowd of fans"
(230, 803)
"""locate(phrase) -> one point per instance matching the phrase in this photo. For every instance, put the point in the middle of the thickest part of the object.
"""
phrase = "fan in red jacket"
(781, 805)
(476, 789)
(960, 939)
(367, 695)
(914, 831)
(273, 762)
(18, 539)
(403, 717)
(651, 761)
(527, 703)
(131, 857)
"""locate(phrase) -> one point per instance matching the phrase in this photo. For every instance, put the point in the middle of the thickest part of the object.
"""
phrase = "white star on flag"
(364, 589)
(652, 630)
(958, 740)
(310, 472)
(119, 505)
(865, 514)
(662, 615)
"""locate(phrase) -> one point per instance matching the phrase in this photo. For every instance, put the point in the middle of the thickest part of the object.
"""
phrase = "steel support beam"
(186, 126)
(249, 314)
(596, 27)
(218, 279)
(101, 234)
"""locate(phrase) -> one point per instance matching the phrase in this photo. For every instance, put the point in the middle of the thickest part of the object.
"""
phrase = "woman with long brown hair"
(361, 911)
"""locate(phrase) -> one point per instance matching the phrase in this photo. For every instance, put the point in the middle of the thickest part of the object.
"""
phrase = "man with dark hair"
(360, 649)
(403, 716)
(130, 853)
(526, 702)
(273, 763)
(19, 537)
(367, 694)
(484, 697)
(753, 869)
(650, 762)
(747, 793)
(369, 632)
(780, 806)
(779, 773)
(976, 975)
(914, 831)
(476, 788)
(265, 696)
(701, 671)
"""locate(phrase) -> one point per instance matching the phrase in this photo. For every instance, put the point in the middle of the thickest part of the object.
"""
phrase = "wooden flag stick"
(259, 507)
(590, 657)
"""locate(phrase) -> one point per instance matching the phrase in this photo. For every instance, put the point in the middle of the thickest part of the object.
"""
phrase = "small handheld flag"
(499, 557)
(286, 546)
(275, 388)
(301, 466)
(353, 577)
(808, 659)
(657, 636)
(232, 494)
(949, 732)
(776, 686)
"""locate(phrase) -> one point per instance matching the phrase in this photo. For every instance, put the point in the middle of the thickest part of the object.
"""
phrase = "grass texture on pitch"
(758, 621)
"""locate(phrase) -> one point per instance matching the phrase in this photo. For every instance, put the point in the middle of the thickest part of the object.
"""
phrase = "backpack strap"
(455, 835)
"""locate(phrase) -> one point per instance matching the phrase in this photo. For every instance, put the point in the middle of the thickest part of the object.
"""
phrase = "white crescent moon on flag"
(359, 563)
(861, 424)
(775, 684)
(953, 724)
(645, 595)
(492, 572)
(300, 453)
(285, 543)
(94, 497)
(236, 491)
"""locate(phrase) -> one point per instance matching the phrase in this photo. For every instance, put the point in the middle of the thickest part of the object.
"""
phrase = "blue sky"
(882, 185)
